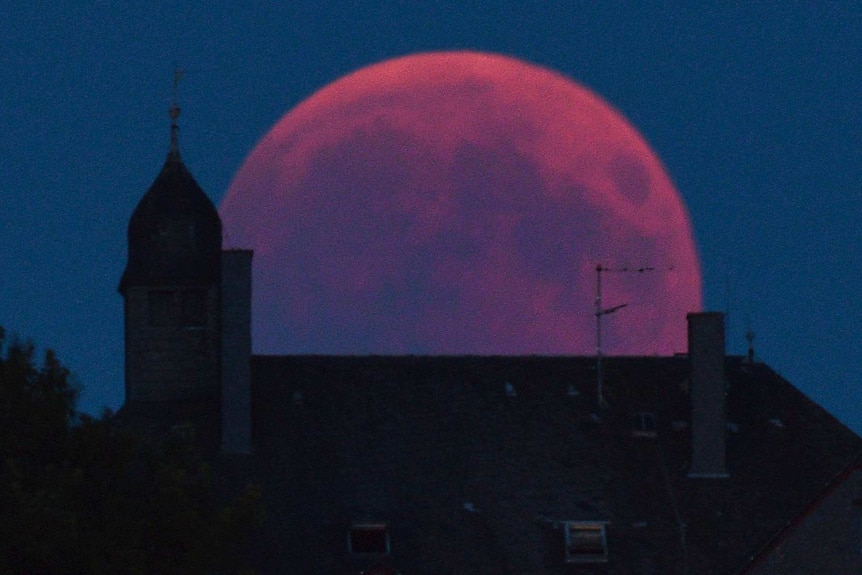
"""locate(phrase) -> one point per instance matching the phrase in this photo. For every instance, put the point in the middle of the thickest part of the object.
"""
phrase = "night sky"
(755, 110)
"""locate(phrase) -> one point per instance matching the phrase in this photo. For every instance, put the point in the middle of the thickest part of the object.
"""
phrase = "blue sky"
(755, 109)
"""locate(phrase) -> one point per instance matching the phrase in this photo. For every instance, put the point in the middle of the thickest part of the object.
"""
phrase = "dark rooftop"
(469, 475)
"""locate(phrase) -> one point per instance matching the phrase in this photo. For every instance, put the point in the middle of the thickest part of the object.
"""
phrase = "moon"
(460, 203)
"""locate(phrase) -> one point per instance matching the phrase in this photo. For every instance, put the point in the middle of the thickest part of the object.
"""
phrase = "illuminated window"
(368, 538)
(586, 542)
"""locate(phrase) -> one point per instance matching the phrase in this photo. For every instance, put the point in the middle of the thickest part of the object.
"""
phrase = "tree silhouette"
(79, 494)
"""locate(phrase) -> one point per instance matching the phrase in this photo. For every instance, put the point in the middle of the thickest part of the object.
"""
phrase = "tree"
(81, 495)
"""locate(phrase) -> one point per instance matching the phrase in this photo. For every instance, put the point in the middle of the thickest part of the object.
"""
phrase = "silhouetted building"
(171, 288)
(701, 464)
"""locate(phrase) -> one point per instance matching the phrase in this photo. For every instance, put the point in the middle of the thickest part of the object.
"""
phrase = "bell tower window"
(177, 308)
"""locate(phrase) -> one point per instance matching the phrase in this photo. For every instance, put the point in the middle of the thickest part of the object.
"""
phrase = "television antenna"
(749, 336)
(603, 311)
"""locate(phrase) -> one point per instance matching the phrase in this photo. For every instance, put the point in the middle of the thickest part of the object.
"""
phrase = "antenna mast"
(601, 312)
(749, 336)
(174, 113)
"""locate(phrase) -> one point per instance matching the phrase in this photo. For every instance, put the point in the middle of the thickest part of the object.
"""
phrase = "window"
(368, 538)
(173, 308)
(160, 308)
(586, 542)
(194, 308)
(643, 425)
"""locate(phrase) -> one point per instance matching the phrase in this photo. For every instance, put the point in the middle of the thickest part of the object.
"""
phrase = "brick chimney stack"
(708, 395)
(236, 351)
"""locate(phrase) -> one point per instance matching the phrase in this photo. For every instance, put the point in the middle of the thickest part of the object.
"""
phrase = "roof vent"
(776, 422)
(297, 397)
(572, 391)
(510, 390)
(643, 425)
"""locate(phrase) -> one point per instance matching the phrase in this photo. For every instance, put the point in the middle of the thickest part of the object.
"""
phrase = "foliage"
(80, 495)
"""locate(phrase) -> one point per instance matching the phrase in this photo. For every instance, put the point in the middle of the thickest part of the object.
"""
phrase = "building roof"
(174, 234)
(471, 475)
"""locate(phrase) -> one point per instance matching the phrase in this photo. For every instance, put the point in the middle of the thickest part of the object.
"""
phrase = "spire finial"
(174, 113)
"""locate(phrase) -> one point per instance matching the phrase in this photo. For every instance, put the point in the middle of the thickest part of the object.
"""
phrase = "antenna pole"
(601, 311)
(174, 113)
(749, 335)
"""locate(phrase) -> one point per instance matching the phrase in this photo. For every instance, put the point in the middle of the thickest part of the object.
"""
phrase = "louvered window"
(177, 308)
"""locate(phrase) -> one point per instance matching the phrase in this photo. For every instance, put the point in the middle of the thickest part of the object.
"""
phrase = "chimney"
(236, 351)
(708, 391)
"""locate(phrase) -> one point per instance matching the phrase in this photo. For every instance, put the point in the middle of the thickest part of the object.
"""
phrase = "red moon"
(459, 203)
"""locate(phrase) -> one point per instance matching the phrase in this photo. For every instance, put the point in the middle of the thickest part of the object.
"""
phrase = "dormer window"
(643, 425)
(586, 542)
(368, 538)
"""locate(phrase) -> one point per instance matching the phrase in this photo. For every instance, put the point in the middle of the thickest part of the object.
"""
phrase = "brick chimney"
(708, 393)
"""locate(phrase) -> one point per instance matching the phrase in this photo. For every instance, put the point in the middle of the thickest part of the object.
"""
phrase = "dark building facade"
(699, 463)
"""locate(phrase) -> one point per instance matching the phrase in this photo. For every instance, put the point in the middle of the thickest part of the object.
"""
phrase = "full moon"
(460, 203)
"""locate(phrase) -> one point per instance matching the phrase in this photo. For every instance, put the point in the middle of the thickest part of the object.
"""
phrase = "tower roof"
(174, 233)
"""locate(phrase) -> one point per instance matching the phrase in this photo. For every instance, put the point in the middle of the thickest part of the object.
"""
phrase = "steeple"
(172, 286)
(175, 232)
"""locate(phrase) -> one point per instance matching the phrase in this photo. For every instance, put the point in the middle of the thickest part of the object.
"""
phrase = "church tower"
(172, 289)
